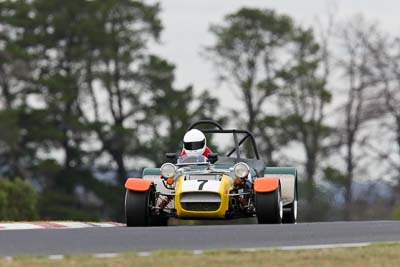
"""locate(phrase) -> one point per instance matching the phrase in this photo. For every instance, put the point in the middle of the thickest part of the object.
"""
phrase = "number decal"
(202, 183)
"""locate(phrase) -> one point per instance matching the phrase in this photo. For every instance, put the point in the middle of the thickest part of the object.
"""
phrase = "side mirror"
(212, 157)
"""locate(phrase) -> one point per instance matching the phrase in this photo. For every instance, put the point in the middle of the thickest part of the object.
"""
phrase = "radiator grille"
(200, 201)
(200, 206)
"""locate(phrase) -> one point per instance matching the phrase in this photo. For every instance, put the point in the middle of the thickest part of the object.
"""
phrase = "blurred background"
(91, 92)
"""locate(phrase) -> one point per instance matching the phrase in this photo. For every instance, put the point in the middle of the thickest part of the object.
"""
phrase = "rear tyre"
(269, 208)
(137, 208)
(290, 211)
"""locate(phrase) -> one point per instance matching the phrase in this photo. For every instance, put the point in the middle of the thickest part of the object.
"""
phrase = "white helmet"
(194, 143)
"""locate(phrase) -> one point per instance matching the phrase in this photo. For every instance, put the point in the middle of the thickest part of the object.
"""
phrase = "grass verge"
(374, 255)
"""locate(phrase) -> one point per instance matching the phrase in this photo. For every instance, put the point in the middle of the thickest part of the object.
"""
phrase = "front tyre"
(269, 208)
(137, 208)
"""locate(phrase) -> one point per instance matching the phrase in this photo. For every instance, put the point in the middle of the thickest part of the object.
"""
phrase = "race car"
(233, 185)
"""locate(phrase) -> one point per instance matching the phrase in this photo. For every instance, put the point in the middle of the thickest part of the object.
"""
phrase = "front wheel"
(137, 208)
(269, 209)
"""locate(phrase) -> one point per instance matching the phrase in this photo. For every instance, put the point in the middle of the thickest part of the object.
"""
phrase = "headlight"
(168, 170)
(241, 170)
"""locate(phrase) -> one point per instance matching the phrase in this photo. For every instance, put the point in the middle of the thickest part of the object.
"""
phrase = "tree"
(171, 110)
(359, 103)
(114, 53)
(247, 52)
(15, 77)
(18, 200)
(87, 92)
(303, 100)
(385, 52)
(103, 41)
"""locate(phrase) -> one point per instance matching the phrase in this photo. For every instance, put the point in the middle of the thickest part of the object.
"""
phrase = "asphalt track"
(123, 239)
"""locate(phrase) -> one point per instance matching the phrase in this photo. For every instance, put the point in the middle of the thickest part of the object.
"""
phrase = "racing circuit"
(144, 239)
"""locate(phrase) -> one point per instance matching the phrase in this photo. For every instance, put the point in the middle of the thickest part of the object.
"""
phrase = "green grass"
(374, 255)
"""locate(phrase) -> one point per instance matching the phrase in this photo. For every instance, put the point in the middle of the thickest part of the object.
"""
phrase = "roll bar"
(220, 129)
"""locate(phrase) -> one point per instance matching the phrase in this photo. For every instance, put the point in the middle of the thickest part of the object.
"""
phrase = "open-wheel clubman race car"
(215, 187)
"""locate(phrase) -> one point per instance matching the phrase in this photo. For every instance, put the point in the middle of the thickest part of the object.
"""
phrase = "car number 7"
(202, 183)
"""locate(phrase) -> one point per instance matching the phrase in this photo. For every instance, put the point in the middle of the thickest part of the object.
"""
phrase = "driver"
(195, 144)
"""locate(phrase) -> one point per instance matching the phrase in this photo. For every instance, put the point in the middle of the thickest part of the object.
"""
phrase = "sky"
(186, 25)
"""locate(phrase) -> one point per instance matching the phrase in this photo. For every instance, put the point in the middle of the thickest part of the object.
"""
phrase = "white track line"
(307, 247)
(144, 254)
(249, 249)
(56, 257)
(106, 255)
(324, 246)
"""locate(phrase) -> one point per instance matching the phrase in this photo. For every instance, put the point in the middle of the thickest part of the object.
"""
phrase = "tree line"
(81, 94)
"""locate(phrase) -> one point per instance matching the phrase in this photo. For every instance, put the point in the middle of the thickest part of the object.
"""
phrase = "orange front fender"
(136, 184)
(263, 185)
